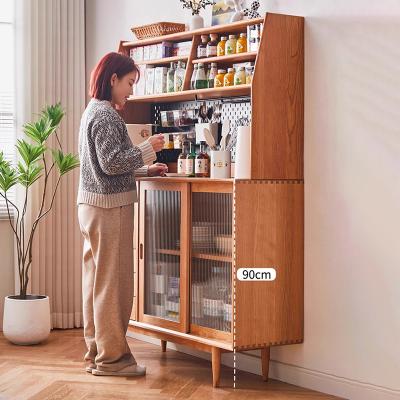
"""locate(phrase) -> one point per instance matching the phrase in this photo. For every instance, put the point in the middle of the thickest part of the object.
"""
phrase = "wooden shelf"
(182, 179)
(213, 257)
(232, 58)
(163, 61)
(169, 252)
(200, 94)
(188, 35)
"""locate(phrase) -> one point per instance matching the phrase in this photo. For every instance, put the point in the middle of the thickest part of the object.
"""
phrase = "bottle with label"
(190, 160)
(212, 45)
(240, 76)
(221, 46)
(241, 44)
(229, 77)
(202, 165)
(193, 78)
(179, 77)
(219, 79)
(171, 77)
(181, 169)
(212, 74)
(202, 47)
(201, 78)
(230, 47)
(249, 74)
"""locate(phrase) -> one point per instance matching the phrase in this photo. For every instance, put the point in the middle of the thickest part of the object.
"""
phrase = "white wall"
(6, 265)
(352, 175)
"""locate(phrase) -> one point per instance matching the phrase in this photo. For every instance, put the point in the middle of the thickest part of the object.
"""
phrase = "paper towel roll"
(243, 153)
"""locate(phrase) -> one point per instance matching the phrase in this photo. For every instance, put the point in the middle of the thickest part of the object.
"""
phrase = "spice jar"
(229, 77)
(230, 47)
(219, 79)
(221, 46)
(241, 44)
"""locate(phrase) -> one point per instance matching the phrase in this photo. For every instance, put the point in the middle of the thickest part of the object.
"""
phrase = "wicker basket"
(157, 29)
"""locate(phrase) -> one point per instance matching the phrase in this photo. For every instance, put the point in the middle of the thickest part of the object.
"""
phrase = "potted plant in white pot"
(26, 317)
(195, 6)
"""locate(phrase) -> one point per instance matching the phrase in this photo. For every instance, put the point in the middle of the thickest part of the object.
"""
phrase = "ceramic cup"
(220, 164)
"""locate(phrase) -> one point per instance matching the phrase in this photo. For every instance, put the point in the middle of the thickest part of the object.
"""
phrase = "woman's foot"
(130, 370)
(90, 367)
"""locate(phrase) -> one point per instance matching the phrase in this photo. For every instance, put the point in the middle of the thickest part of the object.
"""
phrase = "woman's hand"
(157, 169)
(157, 141)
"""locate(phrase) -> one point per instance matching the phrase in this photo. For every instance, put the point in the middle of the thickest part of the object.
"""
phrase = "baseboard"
(295, 375)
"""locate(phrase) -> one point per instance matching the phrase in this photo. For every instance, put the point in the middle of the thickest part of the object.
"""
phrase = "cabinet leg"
(265, 362)
(163, 346)
(216, 365)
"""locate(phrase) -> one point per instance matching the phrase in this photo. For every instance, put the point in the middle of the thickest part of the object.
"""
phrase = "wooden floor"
(54, 371)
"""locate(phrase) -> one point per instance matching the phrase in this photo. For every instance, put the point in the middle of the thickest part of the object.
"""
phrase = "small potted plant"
(26, 317)
(195, 6)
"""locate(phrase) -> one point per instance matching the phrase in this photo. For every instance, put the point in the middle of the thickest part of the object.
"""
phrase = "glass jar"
(171, 77)
(212, 45)
(229, 77)
(212, 74)
(202, 47)
(201, 78)
(193, 78)
(230, 47)
(221, 46)
(241, 44)
(179, 77)
(249, 74)
(240, 76)
(219, 79)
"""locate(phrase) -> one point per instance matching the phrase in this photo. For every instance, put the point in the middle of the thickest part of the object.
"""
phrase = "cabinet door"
(163, 254)
(211, 261)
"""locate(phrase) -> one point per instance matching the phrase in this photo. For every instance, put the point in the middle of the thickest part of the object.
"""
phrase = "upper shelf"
(188, 35)
(199, 94)
(231, 58)
(163, 61)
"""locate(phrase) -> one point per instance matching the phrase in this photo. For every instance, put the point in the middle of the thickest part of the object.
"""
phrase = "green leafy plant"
(196, 5)
(32, 166)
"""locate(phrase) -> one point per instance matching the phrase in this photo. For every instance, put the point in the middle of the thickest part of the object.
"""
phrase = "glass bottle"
(193, 78)
(190, 160)
(229, 77)
(241, 44)
(249, 74)
(202, 164)
(171, 77)
(212, 45)
(219, 79)
(179, 77)
(182, 159)
(202, 47)
(230, 47)
(240, 76)
(212, 74)
(221, 46)
(201, 78)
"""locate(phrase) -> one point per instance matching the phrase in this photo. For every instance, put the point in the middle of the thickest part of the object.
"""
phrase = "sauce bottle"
(229, 77)
(182, 159)
(221, 46)
(219, 79)
(190, 160)
(241, 44)
(202, 162)
(212, 74)
(202, 47)
(201, 78)
(212, 45)
(240, 76)
(230, 47)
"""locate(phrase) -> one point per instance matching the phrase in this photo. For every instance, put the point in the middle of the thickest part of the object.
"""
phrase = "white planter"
(196, 22)
(27, 321)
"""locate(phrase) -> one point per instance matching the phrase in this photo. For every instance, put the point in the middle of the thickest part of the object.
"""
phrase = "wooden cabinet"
(194, 234)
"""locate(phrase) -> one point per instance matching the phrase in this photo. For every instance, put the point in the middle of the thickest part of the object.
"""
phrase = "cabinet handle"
(141, 251)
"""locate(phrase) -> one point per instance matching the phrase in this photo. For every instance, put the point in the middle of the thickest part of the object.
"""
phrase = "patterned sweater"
(108, 158)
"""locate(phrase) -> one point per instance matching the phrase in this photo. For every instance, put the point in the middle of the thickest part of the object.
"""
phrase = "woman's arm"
(113, 156)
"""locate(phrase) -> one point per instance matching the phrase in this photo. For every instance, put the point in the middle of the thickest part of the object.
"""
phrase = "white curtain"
(50, 60)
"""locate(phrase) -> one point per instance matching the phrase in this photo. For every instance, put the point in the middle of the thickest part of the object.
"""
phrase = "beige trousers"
(107, 284)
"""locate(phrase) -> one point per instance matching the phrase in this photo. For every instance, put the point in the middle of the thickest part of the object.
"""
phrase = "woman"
(107, 191)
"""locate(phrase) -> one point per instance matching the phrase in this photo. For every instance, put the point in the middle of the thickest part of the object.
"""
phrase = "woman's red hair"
(100, 78)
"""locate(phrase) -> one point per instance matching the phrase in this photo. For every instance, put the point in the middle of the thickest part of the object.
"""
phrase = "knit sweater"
(108, 158)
